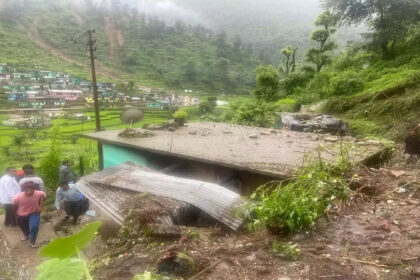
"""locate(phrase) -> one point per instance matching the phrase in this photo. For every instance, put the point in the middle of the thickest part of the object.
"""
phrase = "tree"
(237, 43)
(190, 72)
(290, 62)
(208, 106)
(320, 55)
(50, 162)
(268, 86)
(389, 19)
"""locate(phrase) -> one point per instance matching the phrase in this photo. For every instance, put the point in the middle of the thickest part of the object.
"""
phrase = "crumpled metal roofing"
(109, 189)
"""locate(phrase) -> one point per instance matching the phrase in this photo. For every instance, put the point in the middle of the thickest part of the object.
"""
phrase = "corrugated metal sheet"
(110, 187)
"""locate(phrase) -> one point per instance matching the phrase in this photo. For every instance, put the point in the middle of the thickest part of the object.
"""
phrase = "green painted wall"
(114, 155)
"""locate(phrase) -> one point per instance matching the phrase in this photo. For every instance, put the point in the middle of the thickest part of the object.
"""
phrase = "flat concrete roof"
(269, 152)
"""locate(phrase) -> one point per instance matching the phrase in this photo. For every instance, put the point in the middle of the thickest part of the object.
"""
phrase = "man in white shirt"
(8, 189)
(30, 177)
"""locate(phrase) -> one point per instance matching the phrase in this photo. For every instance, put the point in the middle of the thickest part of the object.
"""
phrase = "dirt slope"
(100, 68)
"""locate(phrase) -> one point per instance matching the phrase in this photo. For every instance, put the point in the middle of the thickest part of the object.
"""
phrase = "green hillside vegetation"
(137, 48)
(374, 85)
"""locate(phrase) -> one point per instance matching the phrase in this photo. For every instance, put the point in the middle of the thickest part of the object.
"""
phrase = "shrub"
(293, 82)
(286, 105)
(180, 117)
(347, 86)
(254, 113)
(50, 163)
(297, 205)
(320, 85)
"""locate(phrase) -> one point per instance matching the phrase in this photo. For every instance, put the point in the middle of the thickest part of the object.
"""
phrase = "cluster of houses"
(39, 89)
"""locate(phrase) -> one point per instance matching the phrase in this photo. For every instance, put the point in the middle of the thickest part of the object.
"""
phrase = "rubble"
(314, 123)
(134, 133)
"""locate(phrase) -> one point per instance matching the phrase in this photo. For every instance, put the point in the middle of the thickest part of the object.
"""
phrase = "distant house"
(54, 113)
(22, 76)
(39, 102)
(17, 96)
(67, 94)
(5, 76)
(4, 68)
(31, 122)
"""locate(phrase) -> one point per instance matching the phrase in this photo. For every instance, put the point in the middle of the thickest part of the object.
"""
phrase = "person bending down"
(75, 204)
(27, 207)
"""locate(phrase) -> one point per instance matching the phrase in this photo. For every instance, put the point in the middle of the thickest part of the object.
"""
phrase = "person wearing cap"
(65, 174)
(30, 177)
(8, 189)
(27, 207)
(72, 200)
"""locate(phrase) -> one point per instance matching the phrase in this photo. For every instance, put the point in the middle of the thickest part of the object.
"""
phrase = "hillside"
(130, 46)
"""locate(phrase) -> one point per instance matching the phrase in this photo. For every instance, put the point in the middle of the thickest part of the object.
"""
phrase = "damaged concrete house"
(237, 157)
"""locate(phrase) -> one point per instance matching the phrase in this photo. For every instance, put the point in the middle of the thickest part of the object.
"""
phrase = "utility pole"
(92, 49)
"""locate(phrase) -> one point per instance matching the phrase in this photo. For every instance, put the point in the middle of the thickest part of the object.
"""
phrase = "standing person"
(65, 174)
(75, 204)
(27, 207)
(30, 177)
(8, 189)
(412, 146)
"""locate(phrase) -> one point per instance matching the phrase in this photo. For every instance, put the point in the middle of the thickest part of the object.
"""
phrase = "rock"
(397, 173)
(253, 136)
(109, 229)
(416, 272)
(390, 201)
(331, 139)
(193, 132)
(273, 131)
(315, 137)
(402, 203)
(265, 133)
(413, 202)
(227, 132)
(251, 257)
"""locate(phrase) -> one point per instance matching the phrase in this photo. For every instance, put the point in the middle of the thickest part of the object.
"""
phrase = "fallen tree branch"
(364, 262)
(205, 270)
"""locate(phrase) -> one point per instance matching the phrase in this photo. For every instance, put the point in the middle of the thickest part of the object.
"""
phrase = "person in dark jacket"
(65, 173)
(412, 146)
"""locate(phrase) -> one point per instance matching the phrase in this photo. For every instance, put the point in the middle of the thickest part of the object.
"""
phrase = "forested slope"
(136, 47)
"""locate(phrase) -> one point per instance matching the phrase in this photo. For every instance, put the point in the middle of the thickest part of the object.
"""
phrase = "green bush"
(347, 86)
(320, 85)
(254, 113)
(286, 105)
(297, 205)
(180, 117)
(292, 83)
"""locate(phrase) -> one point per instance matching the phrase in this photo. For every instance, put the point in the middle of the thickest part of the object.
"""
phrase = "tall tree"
(321, 55)
(237, 43)
(389, 19)
(290, 60)
(268, 86)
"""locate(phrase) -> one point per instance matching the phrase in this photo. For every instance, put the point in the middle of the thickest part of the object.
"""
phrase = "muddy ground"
(373, 235)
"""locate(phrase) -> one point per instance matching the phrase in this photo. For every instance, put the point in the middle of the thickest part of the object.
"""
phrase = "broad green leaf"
(69, 246)
(64, 269)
